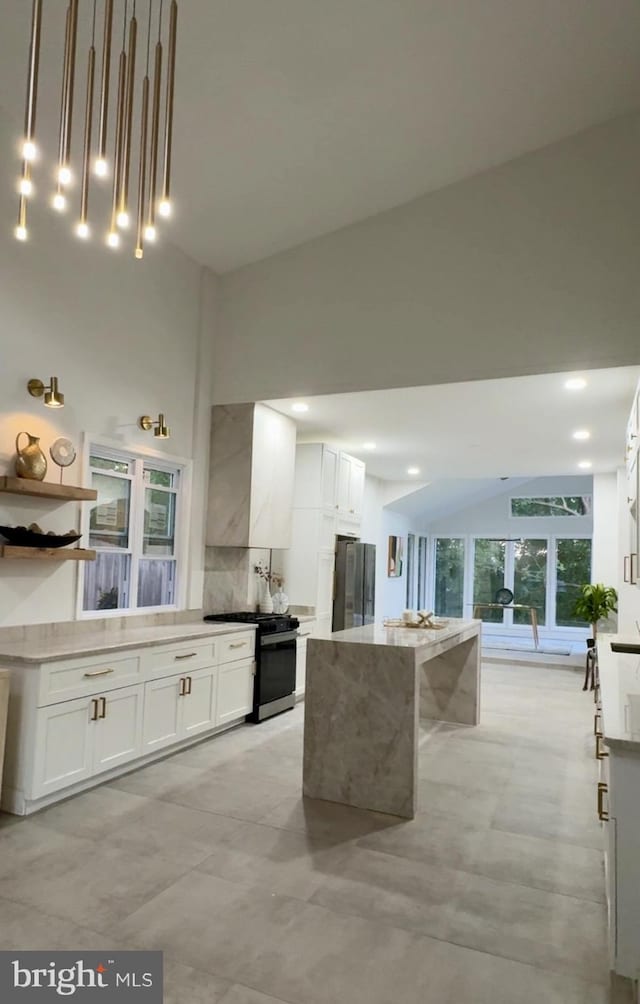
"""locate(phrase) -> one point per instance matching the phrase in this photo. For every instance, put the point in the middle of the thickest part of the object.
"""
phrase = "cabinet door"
(324, 604)
(344, 482)
(323, 627)
(356, 493)
(162, 712)
(199, 701)
(329, 473)
(63, 753)
(118, 731)
(301, 665)
(235, 690)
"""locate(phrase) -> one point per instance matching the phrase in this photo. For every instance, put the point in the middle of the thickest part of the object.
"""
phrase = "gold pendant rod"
(155, 135)
(65, 84)
(126, 159)
(168, 122)
(73, 35)
(34, 63)
(117, 174)
(104, 84)
(142, 167)
(88, 123)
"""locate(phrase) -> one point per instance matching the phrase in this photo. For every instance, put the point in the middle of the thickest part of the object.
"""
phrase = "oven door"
(276, 675)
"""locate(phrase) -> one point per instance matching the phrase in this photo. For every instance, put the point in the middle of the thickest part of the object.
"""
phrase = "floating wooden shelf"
(47, 553)
(47, 490)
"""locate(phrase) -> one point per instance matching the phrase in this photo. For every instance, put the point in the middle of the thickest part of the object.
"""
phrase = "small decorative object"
(160, 429)
(280, 599)
(266, 601)
(31, 462)
(34, 536)
(63, 453)
(52, 396)
(394, 560)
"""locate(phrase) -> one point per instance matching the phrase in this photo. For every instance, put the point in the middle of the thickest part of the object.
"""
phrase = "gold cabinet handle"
(189, 655)
(100, 672)
(602, 791)
(237, 644)
(103, 707)
(596, 728)
(600, 752)
(94, 710)
(183, 681)
(188, 685)
(596, 693)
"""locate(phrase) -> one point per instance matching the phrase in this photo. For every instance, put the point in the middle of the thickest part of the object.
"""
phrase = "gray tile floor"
(494, 894)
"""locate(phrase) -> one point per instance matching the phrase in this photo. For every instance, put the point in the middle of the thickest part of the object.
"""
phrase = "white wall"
(491, 517)
(378, 524)
(124, 338)
(605, 559)
(530, 267)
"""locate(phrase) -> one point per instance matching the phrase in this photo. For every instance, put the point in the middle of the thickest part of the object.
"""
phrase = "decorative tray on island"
(33, 536)
(424, 622)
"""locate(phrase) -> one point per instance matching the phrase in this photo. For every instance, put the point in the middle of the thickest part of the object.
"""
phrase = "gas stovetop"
(267, 623)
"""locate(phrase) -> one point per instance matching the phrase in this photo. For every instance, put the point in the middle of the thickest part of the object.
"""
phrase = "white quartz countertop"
(399, 637)
(620, 694)
(90, 643)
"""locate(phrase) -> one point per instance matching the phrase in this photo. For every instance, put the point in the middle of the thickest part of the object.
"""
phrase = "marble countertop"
(106, 641)
(304, 618)
(620, 694)
(398, 637)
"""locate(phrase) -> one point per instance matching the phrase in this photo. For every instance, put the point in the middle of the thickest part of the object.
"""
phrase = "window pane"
(159, 521)
(104, 464)
(109, 522)
(411, 551)
(422, 572)
(488, 576)
(106, 582)
(156, 583)
(530, 579)
(449, 577)
(164, 478)
(566, 505)
(573, 570)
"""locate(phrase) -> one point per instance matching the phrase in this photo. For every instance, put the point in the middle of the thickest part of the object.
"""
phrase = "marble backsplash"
(91, 626)
(230, 581)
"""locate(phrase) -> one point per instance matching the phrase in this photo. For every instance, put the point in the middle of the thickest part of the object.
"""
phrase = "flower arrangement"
(263, 572)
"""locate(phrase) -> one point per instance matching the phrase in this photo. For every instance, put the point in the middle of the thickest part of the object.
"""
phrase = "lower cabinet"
(179, 706)
(235, 690)
(77, 739)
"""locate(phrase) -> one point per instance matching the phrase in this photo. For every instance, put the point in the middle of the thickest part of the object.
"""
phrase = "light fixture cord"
(160, 21)
(124, 25)
(93, 26)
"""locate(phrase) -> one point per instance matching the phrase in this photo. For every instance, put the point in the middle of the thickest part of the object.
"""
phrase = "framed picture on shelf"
(395, 557)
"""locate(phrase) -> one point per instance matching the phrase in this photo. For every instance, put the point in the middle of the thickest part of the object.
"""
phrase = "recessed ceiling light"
(576, 383)
(585, 465)
(300, 406)
(582, 434)
(368, 446)
(413, 470)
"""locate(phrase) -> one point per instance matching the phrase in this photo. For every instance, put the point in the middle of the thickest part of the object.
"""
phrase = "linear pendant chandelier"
(107, 154)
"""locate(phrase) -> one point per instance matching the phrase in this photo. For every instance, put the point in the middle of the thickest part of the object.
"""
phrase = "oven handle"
(275, 639)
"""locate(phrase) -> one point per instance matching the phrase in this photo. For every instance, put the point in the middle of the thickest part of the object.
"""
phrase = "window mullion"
(137, 530)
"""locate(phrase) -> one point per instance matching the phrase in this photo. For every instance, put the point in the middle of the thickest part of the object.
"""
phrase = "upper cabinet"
(326, 478)
(251, 477)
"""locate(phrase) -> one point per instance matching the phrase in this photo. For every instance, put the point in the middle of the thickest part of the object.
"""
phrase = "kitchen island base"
(366, 690)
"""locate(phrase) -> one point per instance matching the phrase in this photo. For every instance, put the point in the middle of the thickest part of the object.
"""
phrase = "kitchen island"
(366, 690)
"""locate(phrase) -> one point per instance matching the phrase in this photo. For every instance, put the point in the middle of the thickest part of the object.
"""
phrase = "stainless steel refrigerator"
(355, 585)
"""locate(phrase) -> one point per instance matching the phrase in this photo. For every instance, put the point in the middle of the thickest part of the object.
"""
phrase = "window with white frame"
(551, 505)
(133, 528)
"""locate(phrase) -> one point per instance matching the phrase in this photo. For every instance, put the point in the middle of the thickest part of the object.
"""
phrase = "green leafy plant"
(595, 602)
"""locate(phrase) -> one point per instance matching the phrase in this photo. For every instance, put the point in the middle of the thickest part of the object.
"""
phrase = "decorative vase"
(31, 462)
(280, 602)
(266, 600)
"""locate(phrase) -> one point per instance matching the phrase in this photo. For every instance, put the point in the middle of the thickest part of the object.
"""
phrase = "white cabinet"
(326, 567)
(329, 473)
(199, 701)
(162, 712)
(305, 631)
(235, 690)
(77, 739)
(350, 492)
(63, 746)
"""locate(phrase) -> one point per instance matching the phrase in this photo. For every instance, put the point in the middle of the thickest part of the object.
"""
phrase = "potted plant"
(595, 602)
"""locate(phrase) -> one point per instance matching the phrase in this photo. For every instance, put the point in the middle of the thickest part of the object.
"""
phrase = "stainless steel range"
(275, 681)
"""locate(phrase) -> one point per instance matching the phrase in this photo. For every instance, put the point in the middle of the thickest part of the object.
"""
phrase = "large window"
(530, 578)
(132, 526)
(449, 576)
(489, 567)
(573, 569)
(556, 505)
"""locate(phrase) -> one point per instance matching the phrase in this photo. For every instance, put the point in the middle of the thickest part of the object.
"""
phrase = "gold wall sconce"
(160, 429)
(52, 396)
